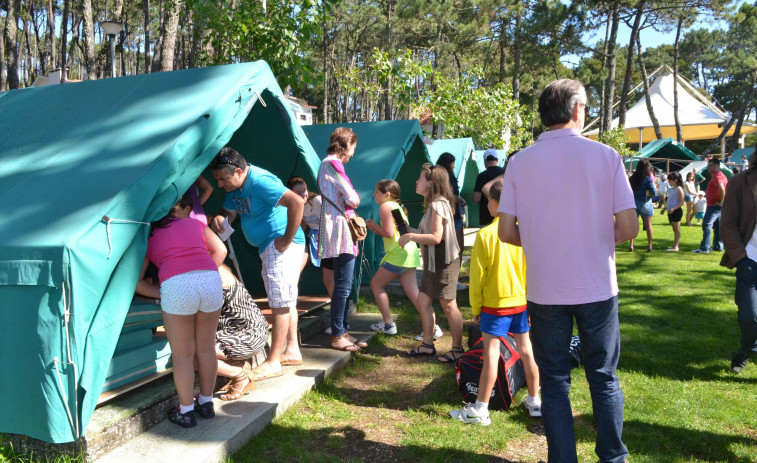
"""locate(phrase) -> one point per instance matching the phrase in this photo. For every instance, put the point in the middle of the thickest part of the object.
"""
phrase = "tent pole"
(641, 142)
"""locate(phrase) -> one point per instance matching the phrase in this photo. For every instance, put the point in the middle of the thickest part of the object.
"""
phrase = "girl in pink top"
(187, 255)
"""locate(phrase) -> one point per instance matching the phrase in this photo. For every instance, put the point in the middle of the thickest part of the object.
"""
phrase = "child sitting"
(498, 300)
(701, 204)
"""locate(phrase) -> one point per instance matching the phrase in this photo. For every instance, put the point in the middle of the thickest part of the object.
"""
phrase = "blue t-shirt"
(262, 220)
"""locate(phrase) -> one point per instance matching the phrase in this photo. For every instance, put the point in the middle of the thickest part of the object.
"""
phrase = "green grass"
(678, 327)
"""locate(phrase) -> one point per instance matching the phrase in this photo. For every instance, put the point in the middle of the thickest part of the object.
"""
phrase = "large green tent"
(466, 169)
(119, 152)
(669, 150)
(385, 149)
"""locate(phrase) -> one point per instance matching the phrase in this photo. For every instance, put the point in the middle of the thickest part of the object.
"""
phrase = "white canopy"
(700, 119)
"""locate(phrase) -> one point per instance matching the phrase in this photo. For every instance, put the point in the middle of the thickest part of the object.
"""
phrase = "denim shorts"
(396, 269)
(644, 209)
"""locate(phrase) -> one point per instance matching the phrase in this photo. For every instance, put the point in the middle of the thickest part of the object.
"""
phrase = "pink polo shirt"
(564, 190)
(179, 248)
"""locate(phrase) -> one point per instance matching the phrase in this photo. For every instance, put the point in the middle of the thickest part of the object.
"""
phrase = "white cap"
(491, 152)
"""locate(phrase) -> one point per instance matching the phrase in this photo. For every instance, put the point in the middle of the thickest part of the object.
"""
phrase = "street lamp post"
(111, 28)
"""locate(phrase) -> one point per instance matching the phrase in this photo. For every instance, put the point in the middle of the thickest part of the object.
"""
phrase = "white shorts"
(188, 293)
(281, 274)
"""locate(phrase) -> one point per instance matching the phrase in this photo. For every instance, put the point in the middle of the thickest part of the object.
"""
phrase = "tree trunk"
(11, 39)
(609, 95)
(3, 70)
(51, 32)
(629, 64)
(64, 40)
(164, 58)
(516, 57)
(601, 71)
(647, 96)
(89, 39)
(679, 134)
(502, 51)
(147, 35)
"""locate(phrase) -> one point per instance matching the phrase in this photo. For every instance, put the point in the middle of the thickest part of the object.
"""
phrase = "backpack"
(511, 375)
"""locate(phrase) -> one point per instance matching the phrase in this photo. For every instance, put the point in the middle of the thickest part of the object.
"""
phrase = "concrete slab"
(238, 421)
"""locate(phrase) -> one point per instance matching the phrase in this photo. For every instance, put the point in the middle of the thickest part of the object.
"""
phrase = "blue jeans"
(711, 221)
(551, 330)
(746, 300)
(344, 274)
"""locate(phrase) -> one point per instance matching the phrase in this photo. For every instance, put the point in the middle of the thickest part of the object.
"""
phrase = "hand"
(404, 239)
(217, 224)
(477, 319)
(281, 244)
(371, 224)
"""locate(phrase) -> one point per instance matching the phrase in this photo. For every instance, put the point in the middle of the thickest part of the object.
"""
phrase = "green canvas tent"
(667, 148)
(466, 169)
(385, 149)
(703, 177)
(119, 152)
(748, 152)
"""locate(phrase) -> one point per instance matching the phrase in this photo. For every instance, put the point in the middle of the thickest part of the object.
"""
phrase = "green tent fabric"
(667, 148)
(703, 176)
(466, 169)
(748, 152)
(385, 149)
(73, 156)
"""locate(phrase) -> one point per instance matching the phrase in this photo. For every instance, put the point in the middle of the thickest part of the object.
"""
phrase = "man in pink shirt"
(567, 201)
(714, 194)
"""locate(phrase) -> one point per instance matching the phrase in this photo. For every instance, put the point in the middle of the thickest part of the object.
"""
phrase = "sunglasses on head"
(220, 161)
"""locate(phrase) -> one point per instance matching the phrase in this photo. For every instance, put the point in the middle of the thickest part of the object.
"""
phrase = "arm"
(508, 230)
(477, 277)
(206, 189)
(626, 225)
(351, 198)
(429, 239)
(294, 205)
(721, 194)
(485, 189)
(217, 223)
(146, 287)
(386, 229)
(477, 197)
(215, 246)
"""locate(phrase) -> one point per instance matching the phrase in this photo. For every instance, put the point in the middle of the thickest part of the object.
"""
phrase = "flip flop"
(291, 362)
(257, 375)
(358, 342)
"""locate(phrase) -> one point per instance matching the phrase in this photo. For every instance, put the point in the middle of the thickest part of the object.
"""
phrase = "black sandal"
(453, 356)
(417, 351)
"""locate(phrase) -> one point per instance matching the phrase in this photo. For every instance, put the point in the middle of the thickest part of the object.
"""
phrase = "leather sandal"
(418, 353)
(236, 390)
(358, 342)
(243, 364)
(351, 347)
(453, 356)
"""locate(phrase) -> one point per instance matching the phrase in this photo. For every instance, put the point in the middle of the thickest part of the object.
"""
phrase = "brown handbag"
(356, 224)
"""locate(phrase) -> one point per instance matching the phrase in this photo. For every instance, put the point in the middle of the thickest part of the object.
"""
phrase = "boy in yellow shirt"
(498, 300)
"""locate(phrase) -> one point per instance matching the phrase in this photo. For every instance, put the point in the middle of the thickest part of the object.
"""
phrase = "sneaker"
(205, 410)
(468, 415)
(700, 251)
(533, 405)
(438, 333)
(185, 420)
(738, 362)
(381, 328)
(328, 330)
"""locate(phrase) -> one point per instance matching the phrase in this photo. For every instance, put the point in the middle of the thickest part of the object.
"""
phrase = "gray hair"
(557, 101)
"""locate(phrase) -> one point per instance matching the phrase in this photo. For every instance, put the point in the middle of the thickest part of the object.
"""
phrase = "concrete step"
(238, 421)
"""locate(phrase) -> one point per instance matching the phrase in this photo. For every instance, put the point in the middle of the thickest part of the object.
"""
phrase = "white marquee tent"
(700, 119)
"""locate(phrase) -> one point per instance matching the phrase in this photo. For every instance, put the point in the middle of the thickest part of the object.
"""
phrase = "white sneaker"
(328, 330)
(468, 415)
(380, 327)
(533, 405)
(438, 333)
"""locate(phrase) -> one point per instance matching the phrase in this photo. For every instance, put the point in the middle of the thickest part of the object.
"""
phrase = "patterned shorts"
(188, 293)
(281, 274)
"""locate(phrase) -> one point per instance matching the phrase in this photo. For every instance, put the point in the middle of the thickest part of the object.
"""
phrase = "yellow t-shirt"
(497, 272)
(397, 255)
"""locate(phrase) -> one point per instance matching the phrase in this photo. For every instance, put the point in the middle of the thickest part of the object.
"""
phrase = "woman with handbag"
(337, 248)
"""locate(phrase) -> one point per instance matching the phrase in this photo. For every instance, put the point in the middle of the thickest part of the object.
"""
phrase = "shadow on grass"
(347, 443)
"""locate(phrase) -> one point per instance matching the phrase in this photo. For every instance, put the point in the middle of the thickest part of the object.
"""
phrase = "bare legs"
(676, 234)
(648, 226)
(426, 311)
(192, 337)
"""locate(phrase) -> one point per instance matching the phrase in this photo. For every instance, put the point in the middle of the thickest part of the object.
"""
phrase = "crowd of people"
(524, 278)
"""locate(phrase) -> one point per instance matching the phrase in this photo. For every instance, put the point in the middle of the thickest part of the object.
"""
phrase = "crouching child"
(498, 300)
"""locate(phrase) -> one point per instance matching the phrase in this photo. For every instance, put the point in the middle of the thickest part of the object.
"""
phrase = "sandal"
(630, 248)
(453, 356)
(361, 344)
(649, 248)
(243, 364)
(417, 351)
(236, 390)
(346, 347)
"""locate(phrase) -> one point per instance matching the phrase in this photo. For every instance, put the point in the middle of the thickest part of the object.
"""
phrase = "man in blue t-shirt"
(271, 216)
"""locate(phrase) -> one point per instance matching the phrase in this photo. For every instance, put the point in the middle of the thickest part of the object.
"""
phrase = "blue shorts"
(397, 270)
(699, 216)
(644, 209)
(500, 325)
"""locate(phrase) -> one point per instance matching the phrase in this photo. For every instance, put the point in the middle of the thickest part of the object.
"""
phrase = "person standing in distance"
(715, 194)
(493, 170)
(571, 273)
(271, 216)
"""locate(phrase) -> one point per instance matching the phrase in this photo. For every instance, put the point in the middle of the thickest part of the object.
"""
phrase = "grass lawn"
(678, 327)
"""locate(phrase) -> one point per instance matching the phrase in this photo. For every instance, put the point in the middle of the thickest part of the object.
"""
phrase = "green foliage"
(618, 140)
